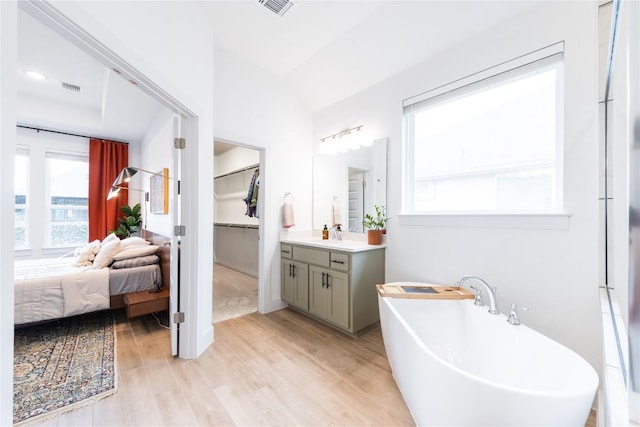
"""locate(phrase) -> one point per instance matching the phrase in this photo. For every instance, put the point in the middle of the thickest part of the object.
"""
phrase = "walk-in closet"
(236, 228)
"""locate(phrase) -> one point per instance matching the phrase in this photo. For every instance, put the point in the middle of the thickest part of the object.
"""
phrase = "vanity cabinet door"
(295, 284)
(318, 301)
(329, 295)
(301, 285)
(338, 289)
(286, 290)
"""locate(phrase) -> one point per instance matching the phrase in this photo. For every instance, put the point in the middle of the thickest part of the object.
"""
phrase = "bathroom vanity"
(333, 281)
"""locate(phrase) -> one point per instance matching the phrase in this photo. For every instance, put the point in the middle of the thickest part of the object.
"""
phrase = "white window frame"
(556, 219)
(38, 144)
(24, 151)
(64, 155)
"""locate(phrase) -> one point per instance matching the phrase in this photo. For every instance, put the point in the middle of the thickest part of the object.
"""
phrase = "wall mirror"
(347, 185)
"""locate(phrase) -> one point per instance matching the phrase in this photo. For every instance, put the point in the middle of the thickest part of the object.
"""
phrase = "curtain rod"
(239, 170)
(67, 133)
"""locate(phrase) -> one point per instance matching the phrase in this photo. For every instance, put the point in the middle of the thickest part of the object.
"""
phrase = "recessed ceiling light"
(35, 75)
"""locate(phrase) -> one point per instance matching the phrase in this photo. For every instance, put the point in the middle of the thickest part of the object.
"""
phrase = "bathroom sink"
(343, 245)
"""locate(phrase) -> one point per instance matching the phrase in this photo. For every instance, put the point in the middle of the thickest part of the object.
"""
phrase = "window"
(491, 143)
(21, 197)
(68, 177)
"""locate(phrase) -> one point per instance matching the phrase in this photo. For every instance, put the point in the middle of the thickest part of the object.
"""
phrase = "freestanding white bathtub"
(456, 364)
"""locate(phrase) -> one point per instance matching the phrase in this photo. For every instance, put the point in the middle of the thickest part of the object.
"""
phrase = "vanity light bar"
(342, 133)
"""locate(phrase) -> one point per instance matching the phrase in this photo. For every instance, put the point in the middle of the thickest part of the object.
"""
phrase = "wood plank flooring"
(276, 369)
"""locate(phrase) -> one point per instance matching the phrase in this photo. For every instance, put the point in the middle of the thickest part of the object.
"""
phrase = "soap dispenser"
(325, 233)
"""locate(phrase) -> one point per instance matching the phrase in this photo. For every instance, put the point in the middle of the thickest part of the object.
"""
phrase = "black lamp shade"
(125, 176)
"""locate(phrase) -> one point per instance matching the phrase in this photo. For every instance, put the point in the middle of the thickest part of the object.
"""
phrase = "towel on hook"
(287, 213)
(336, 216)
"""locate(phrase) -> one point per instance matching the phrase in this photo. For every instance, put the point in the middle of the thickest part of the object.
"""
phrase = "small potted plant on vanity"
(375, 225)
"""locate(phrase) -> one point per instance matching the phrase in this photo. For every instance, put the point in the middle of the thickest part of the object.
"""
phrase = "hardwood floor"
(276, 369)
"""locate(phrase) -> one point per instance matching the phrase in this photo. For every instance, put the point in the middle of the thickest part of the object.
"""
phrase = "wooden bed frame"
(164, 253)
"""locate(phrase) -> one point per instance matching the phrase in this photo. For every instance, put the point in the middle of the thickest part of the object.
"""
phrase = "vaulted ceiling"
(327, 50)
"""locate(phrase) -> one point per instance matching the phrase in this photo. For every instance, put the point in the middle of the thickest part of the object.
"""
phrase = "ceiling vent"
(279, 7)
(69, 86)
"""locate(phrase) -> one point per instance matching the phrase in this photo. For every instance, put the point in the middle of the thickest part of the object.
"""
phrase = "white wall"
(553, 272)
(155, 154)
(257, 109)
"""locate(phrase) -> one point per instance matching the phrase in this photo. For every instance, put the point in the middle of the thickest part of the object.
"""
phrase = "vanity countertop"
(346, 245)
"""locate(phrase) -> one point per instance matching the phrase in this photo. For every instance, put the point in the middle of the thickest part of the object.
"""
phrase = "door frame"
(185, 296)
(263, 296)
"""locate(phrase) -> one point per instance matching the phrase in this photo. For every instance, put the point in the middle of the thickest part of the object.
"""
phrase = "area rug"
(63, 364)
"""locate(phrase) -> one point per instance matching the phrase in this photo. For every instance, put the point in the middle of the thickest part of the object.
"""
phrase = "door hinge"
(179, 230)
(178, 317)
(179, 143)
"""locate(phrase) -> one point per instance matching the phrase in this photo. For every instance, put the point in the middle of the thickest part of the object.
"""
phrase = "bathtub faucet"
(490, 290)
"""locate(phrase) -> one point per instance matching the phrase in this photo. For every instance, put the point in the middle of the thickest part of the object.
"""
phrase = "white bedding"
(53, 288)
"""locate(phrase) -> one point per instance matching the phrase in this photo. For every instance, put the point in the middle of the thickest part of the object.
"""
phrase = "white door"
(176, 219)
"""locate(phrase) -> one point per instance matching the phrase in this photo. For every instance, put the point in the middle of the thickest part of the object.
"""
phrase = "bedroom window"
(68, 189)
(489, 143)
(21, 197)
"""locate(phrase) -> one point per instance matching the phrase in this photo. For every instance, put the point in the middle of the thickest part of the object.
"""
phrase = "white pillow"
(88, 248)
(104, 258)
(87, 253)
(110, 238)
(135, 251)
(133, 241)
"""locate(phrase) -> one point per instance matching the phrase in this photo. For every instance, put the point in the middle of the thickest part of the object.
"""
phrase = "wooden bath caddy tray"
(424, 292)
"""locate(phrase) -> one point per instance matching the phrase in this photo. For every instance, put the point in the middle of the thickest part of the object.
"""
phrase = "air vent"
(69, 86)
(279, 7)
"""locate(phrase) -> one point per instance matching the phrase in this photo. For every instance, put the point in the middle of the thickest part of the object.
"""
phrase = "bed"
(52, 288)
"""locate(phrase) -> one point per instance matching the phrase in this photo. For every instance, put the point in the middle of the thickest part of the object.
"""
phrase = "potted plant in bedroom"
(375, 225)
(130, 223)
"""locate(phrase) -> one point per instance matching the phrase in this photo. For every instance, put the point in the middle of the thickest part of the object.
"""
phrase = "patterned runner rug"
(63, 364)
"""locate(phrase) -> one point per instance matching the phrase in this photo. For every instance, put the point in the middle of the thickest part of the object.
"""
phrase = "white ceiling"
(327, 50)
(106, 106)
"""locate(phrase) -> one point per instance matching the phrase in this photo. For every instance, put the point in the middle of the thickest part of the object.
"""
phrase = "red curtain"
(106, 160)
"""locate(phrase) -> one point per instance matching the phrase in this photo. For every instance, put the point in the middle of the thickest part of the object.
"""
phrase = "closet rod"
(238, 171)
(229, 225)
(66, 133)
